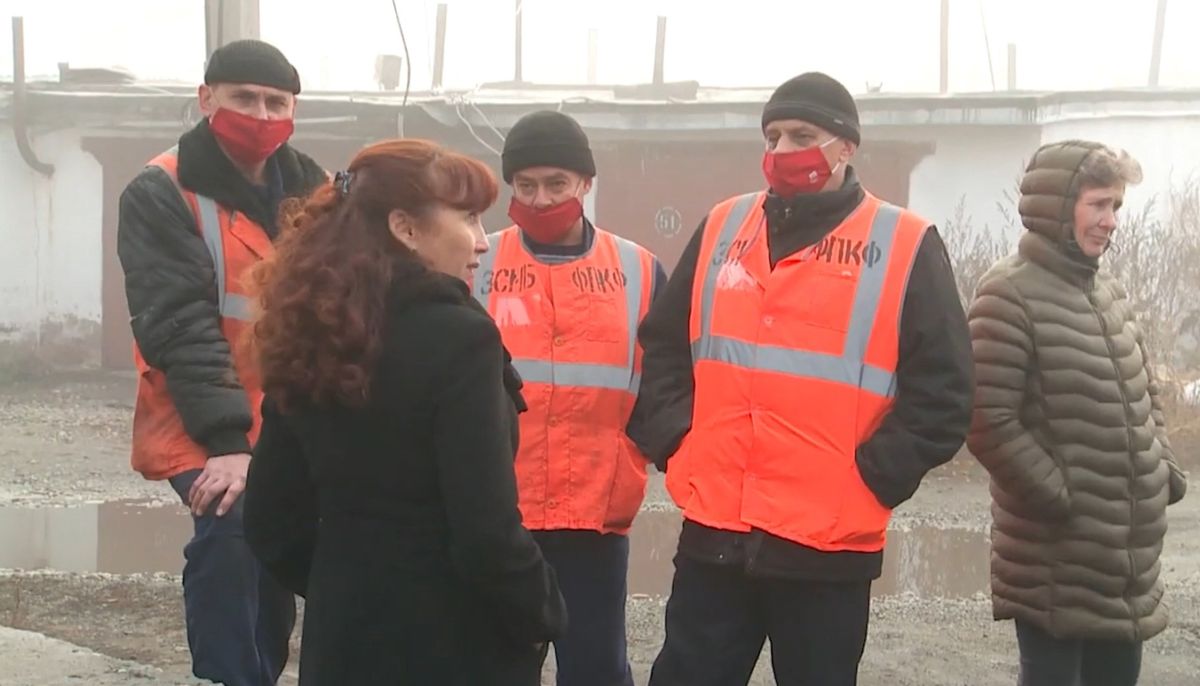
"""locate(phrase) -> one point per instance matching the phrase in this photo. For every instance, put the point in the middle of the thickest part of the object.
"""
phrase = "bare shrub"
(973, 252)
(1156, 257)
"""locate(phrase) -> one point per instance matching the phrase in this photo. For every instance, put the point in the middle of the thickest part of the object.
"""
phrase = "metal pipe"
(439, 49)
(20, 111)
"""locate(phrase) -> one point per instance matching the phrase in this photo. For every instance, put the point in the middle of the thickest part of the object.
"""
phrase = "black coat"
(171, 286)
(399, 520)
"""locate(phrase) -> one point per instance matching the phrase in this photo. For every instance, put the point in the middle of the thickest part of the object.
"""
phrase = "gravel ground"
(64, 443)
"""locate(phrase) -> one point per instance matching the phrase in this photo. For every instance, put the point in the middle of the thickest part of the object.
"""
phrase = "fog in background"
(1061, 44)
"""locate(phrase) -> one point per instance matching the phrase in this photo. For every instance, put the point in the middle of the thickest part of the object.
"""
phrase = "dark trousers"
(1049, 661)
(239, 620)
(591, 569)
(718, 618)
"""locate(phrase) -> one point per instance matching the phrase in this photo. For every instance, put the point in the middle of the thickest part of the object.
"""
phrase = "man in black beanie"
(190, 227)
(568, 297)
(827, 370)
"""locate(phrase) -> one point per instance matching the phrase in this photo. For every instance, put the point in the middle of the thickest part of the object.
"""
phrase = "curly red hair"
(322, 295)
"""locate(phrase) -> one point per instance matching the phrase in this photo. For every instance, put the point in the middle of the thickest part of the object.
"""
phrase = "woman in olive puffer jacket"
(1069, 424)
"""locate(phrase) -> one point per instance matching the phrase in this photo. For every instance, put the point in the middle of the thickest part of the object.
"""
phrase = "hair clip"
(341, 182)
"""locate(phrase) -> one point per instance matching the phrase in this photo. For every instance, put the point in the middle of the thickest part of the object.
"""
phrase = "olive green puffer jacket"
(1068, 423)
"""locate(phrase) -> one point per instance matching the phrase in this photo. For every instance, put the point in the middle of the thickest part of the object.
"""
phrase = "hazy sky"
(1062, 44)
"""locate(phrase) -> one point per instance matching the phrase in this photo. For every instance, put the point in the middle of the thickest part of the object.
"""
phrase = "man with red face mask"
(190, 226)
(808, 363)
(568, 297)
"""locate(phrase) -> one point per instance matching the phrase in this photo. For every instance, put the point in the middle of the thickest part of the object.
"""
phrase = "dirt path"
(63, 441)
(31, 658)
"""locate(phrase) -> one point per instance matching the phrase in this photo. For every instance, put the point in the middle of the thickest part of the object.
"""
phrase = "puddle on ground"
(924, 561)
(131, 537)
(117, 538)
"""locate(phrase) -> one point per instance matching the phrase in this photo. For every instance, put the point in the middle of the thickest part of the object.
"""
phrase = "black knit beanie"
(546, 139)
(818, 99)
(252, 61)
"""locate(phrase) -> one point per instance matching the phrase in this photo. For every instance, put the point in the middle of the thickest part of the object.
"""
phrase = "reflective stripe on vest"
(208, 216)
(850, 367)
(613, 377)
(232, 305)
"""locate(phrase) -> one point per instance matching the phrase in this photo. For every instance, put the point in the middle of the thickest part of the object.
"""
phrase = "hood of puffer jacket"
(1049, 191)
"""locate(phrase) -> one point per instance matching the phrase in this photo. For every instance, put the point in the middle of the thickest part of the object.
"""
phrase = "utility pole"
(228, 20)
(944, 81)
(660, 51)
(439, 50)
(517, 63)
(1012, 66)
(593, 53)
(1156, 54)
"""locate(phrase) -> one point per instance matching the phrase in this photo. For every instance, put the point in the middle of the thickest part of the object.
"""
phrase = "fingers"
(221, 480)
(205, 496)
(231, 495)
(197, 485)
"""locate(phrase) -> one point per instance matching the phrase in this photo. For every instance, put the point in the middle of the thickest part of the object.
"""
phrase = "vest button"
(768, 321)
(558, 340)
(551, 504)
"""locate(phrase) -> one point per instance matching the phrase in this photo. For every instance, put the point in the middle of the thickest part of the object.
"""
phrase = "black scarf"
(204, 169)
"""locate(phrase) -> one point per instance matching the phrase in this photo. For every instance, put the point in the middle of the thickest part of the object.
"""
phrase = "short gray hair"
(1108, 168)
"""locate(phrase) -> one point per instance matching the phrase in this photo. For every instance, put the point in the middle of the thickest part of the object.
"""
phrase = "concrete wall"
(51, 230)
(978, 165)
(50, 246)
(975, 166)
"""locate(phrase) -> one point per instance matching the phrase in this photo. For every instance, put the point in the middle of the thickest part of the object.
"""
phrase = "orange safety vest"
(794, 368)
(161, 446)
(572, 331)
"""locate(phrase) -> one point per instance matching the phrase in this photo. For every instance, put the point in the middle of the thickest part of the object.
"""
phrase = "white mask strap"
(837, 166)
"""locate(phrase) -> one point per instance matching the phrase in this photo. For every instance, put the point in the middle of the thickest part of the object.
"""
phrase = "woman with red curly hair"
(382, 486)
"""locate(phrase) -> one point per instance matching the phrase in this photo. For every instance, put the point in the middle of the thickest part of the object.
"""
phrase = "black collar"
(816, 207)
(414, 283)
(796, 223)
(204, 169)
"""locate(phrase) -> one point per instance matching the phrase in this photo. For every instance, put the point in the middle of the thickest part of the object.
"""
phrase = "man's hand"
(222, 475)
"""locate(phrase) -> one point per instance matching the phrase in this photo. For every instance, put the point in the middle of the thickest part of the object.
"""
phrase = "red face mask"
(249, 140)
(800, 171)
(548, 225)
